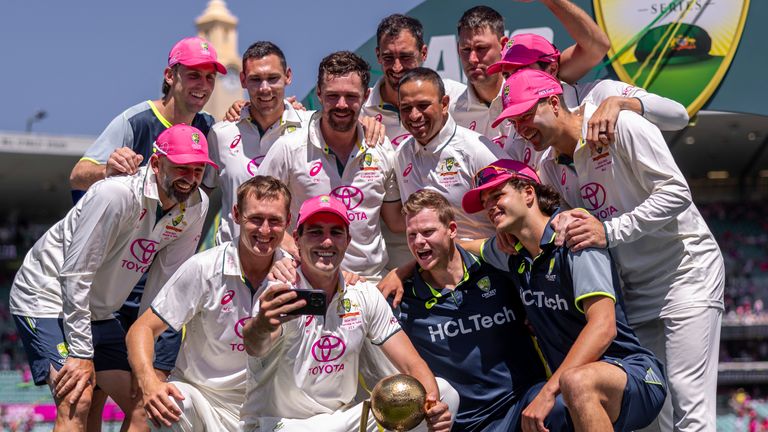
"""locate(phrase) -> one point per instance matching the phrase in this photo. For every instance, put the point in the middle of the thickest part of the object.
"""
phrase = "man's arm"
(591, 343)
(392, 213)
(262, 333)
(91, 168)
(141, 350)
(591, 42)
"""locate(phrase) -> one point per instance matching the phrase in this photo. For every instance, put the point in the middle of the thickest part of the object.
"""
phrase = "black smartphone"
(316, 304)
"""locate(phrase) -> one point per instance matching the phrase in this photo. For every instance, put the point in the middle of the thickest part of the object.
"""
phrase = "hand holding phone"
(316, 302)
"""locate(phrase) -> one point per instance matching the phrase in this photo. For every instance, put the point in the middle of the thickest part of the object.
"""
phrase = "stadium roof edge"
(44, 144)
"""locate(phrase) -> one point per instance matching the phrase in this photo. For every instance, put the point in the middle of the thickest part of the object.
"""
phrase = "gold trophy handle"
(364, 415)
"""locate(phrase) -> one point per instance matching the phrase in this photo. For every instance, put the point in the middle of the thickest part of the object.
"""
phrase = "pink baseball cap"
(492, 176)
(524, 49)
(183, 145)
(523, 89)
(195, 51)
(322, 204)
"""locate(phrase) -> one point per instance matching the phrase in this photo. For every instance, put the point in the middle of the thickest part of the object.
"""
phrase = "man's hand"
(156, 394)
(123, 161)
(537, 411)
(392, 285)
(375, 132)
(506, 242)
(437, 415)
(561, 222)
(233, 113)
(274, 304)
(294, 101)
(585, 232)
(284, 271)
(352, 278)
(601, 127)
(73, 378)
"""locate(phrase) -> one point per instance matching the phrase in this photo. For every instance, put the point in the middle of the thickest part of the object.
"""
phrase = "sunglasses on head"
(491, 172)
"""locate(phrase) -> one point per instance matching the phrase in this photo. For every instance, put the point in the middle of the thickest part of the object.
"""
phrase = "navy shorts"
(558, 419)
(645, 391)
(167, 344)
(44, 342)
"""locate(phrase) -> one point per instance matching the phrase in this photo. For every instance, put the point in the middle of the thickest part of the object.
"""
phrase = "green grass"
(682, 82)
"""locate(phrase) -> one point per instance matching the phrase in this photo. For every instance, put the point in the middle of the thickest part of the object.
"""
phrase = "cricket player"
(213, 295)
(82, 269)
(573, 300)
(304, 368)
(642, 211)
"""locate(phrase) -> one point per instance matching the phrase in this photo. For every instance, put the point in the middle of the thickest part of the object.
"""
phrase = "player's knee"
(577, 386)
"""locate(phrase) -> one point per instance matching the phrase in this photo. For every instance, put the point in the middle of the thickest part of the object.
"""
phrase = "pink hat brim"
(471, 203)
(186, 159)
(514, 110)
(219, 67)
(331, 210)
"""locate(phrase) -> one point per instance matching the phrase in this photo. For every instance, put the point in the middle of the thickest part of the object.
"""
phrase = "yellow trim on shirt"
(91, 160)
(536, 346)
(578, 300)
(159, 116)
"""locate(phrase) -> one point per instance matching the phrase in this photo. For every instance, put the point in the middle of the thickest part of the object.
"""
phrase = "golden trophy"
(397, 403)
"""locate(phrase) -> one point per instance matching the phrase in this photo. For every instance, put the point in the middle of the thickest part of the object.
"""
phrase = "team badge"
(484, 284)
(679, 49)
(62, 349)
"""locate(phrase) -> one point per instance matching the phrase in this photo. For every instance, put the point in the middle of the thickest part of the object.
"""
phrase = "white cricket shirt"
(305, 162)
(472, 113)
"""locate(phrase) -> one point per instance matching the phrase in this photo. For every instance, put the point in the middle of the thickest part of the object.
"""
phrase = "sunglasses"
(491, 172)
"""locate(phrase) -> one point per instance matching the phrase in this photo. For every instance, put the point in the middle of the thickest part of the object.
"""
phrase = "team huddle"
(540, 266)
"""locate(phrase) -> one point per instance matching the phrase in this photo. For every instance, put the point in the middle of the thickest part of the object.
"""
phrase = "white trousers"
(688, 344)
(201, 413)
(345, 420)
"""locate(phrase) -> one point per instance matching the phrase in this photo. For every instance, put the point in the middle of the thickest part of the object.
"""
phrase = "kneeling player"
(573, 300)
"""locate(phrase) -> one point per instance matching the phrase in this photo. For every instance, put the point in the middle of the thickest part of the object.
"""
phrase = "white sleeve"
(117, 134)
(643, 147)
(93, 235)
(665, 113)
(171, 257)
(380, 322)
(180, 298)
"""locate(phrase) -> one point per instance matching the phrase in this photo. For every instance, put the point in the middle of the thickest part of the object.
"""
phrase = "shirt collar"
(548, 238)
(374, 99)
(150, 183)
(316, 138)
(290, 117)
(423, 290)
(474, 100)
(230, 265)
(440, 140)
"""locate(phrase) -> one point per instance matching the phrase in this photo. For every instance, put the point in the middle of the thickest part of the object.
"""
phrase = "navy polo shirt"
(473, 337)
(552, 287)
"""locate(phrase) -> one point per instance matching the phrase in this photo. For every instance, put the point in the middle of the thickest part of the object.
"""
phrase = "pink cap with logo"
(183, 145)
(322, 204)
(194, 51)
(523, 89)
(524, 49)
(492, 176)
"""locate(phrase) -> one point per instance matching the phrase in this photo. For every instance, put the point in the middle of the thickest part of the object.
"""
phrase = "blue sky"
(85, 61)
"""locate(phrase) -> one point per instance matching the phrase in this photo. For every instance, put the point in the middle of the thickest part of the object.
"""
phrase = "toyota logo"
(143, 250)
(593, 195)
(328, 348)
(253, 165)
(350, 196)
(239, 326)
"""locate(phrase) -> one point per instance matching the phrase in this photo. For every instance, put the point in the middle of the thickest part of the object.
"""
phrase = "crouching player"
(213, 293)
(573, 301)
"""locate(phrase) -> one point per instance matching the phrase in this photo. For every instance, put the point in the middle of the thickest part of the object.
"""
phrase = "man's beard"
(343, 125)
(171, 191)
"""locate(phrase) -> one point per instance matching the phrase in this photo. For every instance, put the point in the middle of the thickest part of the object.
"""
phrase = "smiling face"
(538, 125)
(265, 80)
(176, 182)
(322, 243)
(422, 111)
(342, 98)
(430, 240)
(397, 55)
(507, 206)
(190, 87)
(478, 49)
(262, 223)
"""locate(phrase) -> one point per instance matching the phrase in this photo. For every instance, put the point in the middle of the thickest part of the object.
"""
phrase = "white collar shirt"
(447, 164)
(474, 114)
(238, 149)
(306, 163)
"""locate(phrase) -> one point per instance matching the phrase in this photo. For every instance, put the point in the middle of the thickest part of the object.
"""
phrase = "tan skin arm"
(392, 214)
(85, 173)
